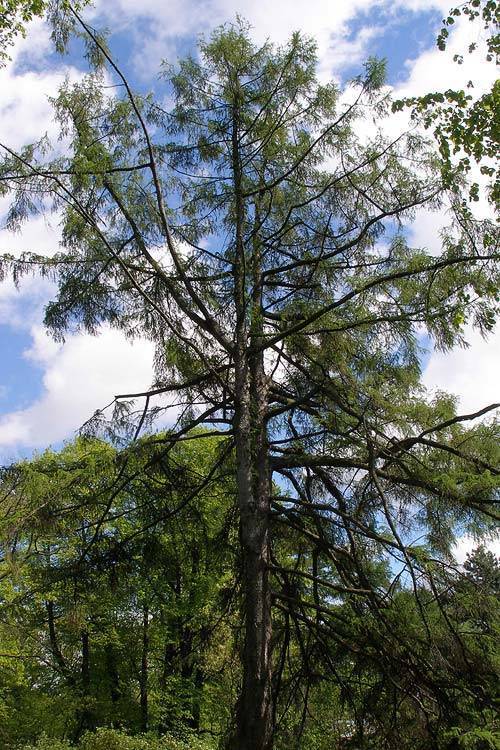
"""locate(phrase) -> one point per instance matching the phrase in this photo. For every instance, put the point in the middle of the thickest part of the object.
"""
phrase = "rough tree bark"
(86, 720)
(112, 672)
(253, 729)
(144, 670)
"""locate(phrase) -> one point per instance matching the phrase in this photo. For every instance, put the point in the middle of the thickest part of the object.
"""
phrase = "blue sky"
(21, 382)
(48, 390)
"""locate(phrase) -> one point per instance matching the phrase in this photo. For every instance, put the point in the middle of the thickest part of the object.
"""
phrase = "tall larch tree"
(263, 246)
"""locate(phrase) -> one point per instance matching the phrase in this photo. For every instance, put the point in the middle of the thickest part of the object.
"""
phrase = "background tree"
(159, 634)
(15, 15)
(466, 128)
(108, 621)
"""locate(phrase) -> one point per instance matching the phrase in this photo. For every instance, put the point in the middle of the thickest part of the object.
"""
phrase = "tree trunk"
(85, 719)
(254, 711)
(199, 680)
(85, 663)
(168, 661)
(253, 729)
(113, 676)
(253, 726)
(54, 646)
(144, 670)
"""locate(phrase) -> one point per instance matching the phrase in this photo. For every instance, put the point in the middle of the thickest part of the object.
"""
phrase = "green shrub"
(48, 743)
(112, 739)
(473, 739)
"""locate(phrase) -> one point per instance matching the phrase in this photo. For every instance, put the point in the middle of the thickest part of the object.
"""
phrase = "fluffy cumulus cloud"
(79, 377)
(26, 85)
(437, 71)
(82, 375)
(326, 21)
(330, 23)
(25, 116)
(22, 306)
(471, 372)
(466, 544)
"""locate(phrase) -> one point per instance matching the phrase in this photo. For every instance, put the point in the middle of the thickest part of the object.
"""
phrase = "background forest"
(132, 625)
(256, 552)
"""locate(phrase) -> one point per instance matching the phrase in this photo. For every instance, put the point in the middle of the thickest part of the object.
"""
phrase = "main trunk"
(112, 672)
(144, 670)
(253, 725)
(253, 729)
(85, 714)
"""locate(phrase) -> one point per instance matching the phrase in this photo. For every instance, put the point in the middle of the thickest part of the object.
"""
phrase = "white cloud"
(425, 231)
(167, 24)
(472, 374)
(22, 306)
(39, 235)
(25, 116)
(434, 70)
(465, 544)
(31, 49)
(326, 21)
(80, 377)
(25, 112)
(177, 17)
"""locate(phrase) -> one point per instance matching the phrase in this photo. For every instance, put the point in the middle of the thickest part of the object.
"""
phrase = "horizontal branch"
(173, 387)
(321, 581)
